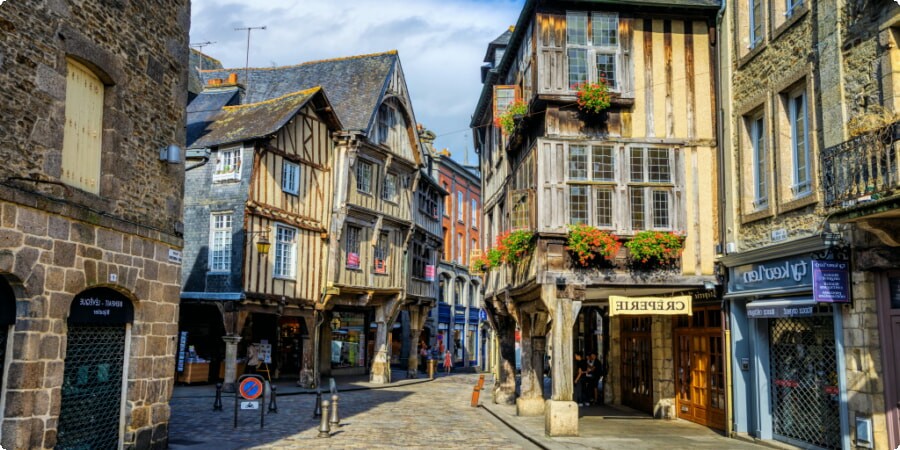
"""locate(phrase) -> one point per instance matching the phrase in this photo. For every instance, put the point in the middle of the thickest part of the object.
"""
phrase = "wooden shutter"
(84, 126)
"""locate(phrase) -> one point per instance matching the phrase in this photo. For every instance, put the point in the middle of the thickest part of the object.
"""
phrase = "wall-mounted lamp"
(170, 154)
(263, 244)
(560, 282)
(335, 323)
(832, 239)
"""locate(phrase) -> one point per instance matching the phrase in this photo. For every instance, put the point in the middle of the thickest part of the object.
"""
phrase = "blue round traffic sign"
(251, 388)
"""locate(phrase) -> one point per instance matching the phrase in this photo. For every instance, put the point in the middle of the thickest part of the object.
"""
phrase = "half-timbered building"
(646, 163)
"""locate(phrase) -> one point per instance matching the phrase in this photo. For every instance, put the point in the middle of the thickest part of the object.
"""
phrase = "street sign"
(250, 405)
(251, 388)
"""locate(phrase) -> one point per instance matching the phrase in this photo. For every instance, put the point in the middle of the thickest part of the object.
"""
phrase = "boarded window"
(83, 131)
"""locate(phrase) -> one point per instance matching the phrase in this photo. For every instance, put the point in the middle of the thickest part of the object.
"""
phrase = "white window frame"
(759, 160)
(392, 194)
(473, 208)
(647, 186)
(460, 248)
(285, 266)
(592, 50)
(220, 241)
(460, 206)
(802, 179)
(365, 174)
(290, 177)
(228, 163)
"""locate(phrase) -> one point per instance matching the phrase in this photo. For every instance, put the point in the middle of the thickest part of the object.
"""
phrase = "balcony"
(863, 169)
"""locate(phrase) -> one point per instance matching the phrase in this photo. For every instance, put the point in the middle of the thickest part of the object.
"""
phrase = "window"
(578, 204)
(650, 190)
(389, 190)
(578, 162)
(385, 122)
(460, 248)
(285, 251)
(592, 52)
(603, 203)
(760, 161)
(792, 6)
(220, 243)
(421, 260)
(756, 22)
(447, 201)
(84, 128)
(602, 163)
(382, 252)
(460, 206)
(473, 210)
(290, 177)
(799, 143)
(428, 203)
(352, 259)
(503, 97)
(363, 176)
(228, 164)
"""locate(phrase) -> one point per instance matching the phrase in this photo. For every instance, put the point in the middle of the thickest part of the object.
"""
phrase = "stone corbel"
(887, 231)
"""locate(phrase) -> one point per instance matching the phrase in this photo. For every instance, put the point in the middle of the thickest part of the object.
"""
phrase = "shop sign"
(778, 273)
(831, 281)
(639, 306)
(429, 272)
(101, 306)
(353, 260)
(764, 311)
(182, 348)
(380, 266)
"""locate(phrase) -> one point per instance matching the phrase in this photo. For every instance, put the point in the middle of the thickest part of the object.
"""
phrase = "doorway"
(699, 372)
(637, 375)
(889, 323)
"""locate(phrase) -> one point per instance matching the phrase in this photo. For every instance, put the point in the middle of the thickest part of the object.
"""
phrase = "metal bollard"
(317, 411)
(273, 406)
(217, 404)
(324, 429)
(335, 419)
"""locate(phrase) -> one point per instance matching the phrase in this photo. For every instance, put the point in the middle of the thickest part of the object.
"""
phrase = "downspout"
(197, 153)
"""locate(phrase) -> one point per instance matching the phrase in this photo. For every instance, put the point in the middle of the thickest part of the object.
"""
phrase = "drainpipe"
(202, 153)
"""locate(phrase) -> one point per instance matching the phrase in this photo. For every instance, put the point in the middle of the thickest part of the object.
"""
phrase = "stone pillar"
(325, 348)
(560, 412)
(231, 354)
(307, 370)
(413, 362)
(505, 387)
(531, 397)
(381, 361)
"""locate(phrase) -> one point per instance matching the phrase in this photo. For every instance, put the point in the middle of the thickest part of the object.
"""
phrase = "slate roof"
(204, 107)
(196, 61)
(501, 41)
(354, 84)
(245, 122)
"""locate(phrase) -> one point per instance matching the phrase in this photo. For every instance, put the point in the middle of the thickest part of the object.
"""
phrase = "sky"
(441, 44)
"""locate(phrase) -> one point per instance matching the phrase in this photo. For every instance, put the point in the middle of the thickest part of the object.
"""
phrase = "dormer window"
(498, 56)
(228, 164)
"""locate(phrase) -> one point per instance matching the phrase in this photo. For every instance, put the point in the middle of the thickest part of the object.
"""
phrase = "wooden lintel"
(293, 158)
(280, 215)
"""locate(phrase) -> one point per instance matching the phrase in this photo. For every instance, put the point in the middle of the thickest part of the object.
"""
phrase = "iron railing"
(862, 169)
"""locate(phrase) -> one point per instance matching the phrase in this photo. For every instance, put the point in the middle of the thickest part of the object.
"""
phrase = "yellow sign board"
(641, 306)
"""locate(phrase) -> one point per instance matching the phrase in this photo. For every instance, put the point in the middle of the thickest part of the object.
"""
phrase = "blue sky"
(441, 45)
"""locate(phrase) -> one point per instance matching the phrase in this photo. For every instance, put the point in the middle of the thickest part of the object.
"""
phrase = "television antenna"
(199, 46)
(247, 61)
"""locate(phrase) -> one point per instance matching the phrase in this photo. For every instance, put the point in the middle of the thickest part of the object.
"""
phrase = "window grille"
(220, 255)
(92, 387)
(290, 177)
(578, 204)
(364, 176)
(285, 245)
(389, 192)
(578, 162)
(805, 390)
(353, 255)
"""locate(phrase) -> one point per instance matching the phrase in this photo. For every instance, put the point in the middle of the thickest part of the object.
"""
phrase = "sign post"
(251, 396)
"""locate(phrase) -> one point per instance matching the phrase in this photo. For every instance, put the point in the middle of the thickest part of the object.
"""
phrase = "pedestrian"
(591, 374)
(252, 358)
(448, 361)
(578, 372)
(604, 372)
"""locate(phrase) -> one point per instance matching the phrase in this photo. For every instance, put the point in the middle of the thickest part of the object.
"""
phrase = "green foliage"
(515, 245)
(507, 120)
(593, 97)
(587, 242)
(655, 246)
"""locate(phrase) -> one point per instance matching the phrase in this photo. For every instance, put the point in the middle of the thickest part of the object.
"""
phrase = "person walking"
(448, 361)
(591, 374)
(578, 372)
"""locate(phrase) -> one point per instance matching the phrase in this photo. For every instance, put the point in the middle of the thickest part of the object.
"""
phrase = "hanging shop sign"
(793, 272)
(640, 306)
(102, 306)
(831, 281)
(182, 350)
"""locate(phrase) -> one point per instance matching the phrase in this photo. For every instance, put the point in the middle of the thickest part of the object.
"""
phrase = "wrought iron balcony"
(863, 169)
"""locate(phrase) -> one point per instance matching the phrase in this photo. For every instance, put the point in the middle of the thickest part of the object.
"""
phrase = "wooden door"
(699, 372)
(889, 323)
(637, 376)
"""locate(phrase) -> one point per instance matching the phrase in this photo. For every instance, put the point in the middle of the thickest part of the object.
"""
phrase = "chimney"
(232, 78)
(214, 82)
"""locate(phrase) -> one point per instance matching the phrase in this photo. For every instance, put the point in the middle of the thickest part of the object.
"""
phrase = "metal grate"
(92, 388)
(805, 389)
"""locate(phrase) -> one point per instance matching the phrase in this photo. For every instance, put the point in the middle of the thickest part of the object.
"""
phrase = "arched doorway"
(91, 404)
(7, 319)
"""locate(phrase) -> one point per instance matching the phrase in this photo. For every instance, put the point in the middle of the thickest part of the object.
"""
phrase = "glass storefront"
(348, 340)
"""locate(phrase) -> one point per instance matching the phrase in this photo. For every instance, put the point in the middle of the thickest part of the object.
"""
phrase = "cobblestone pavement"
(433, 414)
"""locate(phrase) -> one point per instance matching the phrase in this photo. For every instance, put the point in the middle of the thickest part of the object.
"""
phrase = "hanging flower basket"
(593, 97)
(479, 264)
(514, 246)
(507, 121)
(587, 243)
(655, 248)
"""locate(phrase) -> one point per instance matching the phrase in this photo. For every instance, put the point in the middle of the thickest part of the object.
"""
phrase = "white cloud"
(441, 44)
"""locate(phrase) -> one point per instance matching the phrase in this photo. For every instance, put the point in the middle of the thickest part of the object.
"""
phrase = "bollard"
(476, 391)
(217, 404)
(335, 419)
(317, 411)
(273, 406)
(324, 430)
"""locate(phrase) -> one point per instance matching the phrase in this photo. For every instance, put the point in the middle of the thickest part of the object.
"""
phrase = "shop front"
(787, 339)
(350, 342)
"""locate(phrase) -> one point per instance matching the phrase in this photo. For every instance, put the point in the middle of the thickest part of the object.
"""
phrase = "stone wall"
(662, 335)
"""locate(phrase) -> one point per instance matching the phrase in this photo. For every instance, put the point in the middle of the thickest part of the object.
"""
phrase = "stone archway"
(96, 348)
(7, 320)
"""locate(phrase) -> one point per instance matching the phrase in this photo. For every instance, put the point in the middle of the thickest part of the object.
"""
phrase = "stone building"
(810, 107)
(635, 171)
(90, 210)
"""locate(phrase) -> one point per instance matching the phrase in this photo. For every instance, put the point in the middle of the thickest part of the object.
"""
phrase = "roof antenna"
(247, 61)
(200, 46)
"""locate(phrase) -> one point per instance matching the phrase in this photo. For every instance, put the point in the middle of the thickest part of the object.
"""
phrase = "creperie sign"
(666, 306)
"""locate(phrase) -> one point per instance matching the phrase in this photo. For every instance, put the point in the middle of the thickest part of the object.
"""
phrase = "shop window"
(82, 138)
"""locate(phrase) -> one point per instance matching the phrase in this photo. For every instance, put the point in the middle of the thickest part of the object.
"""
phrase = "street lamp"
(262, 243)
(335, 323)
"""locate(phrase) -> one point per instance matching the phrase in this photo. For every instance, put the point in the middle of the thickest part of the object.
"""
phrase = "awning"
(782, 307)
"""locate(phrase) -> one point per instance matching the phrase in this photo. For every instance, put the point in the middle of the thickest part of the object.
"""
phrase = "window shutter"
(83, 132)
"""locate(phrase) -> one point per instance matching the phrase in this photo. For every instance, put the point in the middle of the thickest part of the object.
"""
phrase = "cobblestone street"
(432, 414)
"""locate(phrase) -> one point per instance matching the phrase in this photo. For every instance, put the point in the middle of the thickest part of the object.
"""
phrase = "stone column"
(505, 387)
(413, 362)
(381, 361)
(231, 352)
(560, 412)
(307, 375)
(531, 397)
